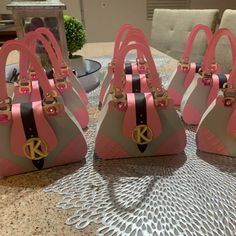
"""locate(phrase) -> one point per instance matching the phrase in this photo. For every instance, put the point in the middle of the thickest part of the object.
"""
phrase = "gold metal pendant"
(184, 65)
(142, 134)
(35, 149)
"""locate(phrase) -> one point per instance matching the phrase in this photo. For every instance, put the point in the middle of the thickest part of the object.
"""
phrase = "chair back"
(223, 50)
(171, 28)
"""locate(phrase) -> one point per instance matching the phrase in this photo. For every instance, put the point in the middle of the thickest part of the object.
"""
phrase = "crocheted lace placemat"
(189, 194)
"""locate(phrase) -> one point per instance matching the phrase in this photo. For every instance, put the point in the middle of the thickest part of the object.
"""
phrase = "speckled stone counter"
(27, 210)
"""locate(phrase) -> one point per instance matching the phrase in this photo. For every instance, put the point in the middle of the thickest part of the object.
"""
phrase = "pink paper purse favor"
(137, 80)
(108, 76)
(65, 69)
(186, 70)
(38, 134)
(28, 80)
(138, 124)
(217, 129)
(130, 68)
(204, 88)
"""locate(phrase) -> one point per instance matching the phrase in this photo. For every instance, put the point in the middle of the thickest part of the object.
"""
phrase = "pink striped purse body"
(216, 131)
(73, 100)
(186, 70)
(36, 134)
(138, 124)
(204, 88)
(133, 71)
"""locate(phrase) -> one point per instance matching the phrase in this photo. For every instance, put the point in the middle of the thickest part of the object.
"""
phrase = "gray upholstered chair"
(223, 50)
(171, 27)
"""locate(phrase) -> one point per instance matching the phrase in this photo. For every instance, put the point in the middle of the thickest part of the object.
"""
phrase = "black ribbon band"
(198, 67)
(136, 85)
(141, 115)
(30, 129)
(222, 80)
(128, 68)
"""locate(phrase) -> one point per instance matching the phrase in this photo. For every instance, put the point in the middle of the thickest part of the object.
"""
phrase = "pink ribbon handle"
(46, 32)
(135, 35)
(30, 39)
(122, 30)
(19, 46)
(195, 30)
(209, 56)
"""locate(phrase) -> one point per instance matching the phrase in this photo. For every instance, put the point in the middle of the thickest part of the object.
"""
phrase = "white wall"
(103, 17)
(72, 8)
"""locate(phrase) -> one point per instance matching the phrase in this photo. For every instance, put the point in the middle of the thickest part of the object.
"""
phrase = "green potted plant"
(76, 38)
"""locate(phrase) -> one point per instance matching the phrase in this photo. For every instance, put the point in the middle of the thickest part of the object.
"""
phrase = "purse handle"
(46, 32)
(30, 39)
(210, 52)
(195, 30)
(11, 45)
(122, 30)
(135, 35)
(154, 80)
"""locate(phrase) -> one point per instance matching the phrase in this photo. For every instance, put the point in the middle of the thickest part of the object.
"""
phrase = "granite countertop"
(27, 210)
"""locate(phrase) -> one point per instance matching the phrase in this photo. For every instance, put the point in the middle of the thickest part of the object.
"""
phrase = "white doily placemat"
(189, 194)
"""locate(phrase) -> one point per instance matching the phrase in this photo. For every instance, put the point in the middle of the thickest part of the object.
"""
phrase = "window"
(169, 4)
